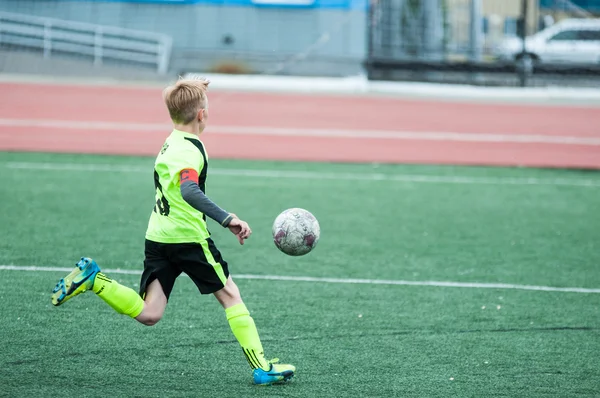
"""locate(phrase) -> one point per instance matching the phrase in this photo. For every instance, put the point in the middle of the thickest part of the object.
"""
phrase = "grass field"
(390, 223)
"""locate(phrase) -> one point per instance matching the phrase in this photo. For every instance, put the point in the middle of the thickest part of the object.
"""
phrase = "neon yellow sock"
(122, 299)
(244, 329)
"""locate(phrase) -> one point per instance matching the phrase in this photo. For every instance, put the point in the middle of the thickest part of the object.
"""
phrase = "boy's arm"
(193, 195)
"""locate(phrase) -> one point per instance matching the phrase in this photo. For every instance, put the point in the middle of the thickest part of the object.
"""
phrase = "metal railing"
(96, 41)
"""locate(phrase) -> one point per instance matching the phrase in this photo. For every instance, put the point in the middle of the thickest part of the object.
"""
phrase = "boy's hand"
(239, 228)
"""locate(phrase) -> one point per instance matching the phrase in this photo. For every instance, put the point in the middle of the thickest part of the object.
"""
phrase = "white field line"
(473, 285)
(289, 174)
(300, 132)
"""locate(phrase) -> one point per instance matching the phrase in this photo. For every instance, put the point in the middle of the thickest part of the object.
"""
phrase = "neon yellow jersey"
(173, 220)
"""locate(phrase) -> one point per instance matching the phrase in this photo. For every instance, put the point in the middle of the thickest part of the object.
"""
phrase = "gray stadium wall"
(210, 37)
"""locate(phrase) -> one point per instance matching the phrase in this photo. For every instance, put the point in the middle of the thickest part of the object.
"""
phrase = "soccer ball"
(296, 232)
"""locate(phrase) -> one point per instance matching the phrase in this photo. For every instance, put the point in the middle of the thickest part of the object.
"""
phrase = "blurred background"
(452, 41)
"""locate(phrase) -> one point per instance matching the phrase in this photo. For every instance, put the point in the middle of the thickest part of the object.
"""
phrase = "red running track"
(92, 119)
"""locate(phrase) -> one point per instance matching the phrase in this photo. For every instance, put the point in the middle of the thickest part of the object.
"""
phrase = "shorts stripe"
(211, 260)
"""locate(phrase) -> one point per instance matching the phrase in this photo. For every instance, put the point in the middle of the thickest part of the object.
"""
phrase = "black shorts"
(202, 262)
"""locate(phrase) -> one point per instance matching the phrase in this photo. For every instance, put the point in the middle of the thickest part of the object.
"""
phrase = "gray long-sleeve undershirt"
(193, 195)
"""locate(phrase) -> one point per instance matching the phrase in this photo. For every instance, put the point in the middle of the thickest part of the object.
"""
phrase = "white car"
(571, 40)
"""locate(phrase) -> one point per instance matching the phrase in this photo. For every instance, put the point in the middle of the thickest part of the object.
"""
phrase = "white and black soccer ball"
(296, 231)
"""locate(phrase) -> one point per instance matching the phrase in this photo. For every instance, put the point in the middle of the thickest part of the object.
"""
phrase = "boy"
(177, 238)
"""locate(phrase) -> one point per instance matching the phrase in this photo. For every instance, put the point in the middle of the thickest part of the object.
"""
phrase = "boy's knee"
(151, 315)
(151, 319)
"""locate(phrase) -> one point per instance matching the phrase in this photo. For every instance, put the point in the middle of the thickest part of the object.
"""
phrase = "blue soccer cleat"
(277, 374)
(78, 281)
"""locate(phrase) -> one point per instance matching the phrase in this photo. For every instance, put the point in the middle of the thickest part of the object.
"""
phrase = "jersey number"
(162, 204)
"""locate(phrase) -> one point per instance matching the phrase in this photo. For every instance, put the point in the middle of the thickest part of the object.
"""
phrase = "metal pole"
(476, 31)
(370, 6)
(524, 65)
(431, 22)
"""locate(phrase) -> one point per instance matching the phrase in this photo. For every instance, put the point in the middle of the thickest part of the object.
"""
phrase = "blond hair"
(185, 98)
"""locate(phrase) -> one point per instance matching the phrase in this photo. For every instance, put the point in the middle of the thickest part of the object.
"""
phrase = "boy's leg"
(242, 325)
(87, 276)
(155, 302)
(124, 300)
(207, 269)
(244, 329)
(155, 287)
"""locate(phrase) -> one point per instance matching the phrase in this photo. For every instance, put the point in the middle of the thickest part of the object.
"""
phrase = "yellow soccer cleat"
(78, 281)
(277, 374)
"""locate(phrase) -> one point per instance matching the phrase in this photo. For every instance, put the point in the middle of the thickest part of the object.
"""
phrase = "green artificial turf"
(355, 340)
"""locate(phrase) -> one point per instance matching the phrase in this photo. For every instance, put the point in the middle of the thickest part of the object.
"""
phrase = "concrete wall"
(332, 41)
